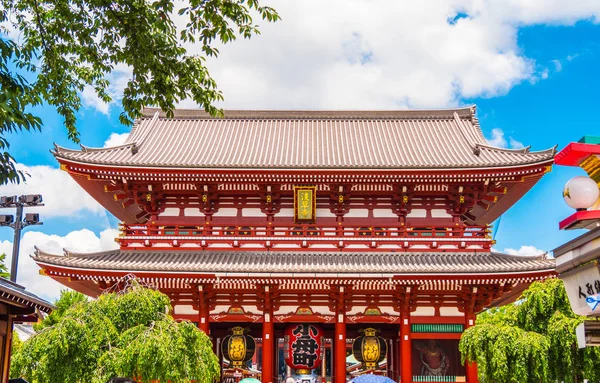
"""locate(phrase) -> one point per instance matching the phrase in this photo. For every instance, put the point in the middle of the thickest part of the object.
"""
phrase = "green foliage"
(16, 346)
(129, 334)
(4, 273)
(67, 45)
(68, 299)
(531, 341)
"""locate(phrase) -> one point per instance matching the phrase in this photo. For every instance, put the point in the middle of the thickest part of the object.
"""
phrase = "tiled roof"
(300, 262)
(409, 139)
(13, 292)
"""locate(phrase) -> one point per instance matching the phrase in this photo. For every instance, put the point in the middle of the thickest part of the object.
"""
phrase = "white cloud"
(364, 54)
(28, 271)
(515, 144)
(118, 81)
(115, 139)
(524, 251)
(499, 140)
(361, 54)
(62, 196)
(90, 99)
(557, 64)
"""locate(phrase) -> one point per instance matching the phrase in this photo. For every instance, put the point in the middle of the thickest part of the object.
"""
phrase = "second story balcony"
(308, 237)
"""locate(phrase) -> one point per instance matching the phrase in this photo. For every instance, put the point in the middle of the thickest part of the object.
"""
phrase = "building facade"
(577, 260)
(17, 305)
(359, 226)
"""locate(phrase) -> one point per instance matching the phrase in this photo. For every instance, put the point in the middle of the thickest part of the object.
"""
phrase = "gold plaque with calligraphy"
(305, 204)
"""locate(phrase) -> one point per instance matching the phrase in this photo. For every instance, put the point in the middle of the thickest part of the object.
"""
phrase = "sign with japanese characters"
(303, 348)
(305, 204)
(583, 289)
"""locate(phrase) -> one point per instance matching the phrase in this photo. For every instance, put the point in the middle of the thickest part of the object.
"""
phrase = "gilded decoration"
(305, 204)
(304, 311)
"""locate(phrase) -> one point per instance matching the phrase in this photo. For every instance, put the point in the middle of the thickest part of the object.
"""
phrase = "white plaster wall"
(450, 312)
(184, 309)
(226, 212)
(170, 212)
(428, 311)
(192, 212)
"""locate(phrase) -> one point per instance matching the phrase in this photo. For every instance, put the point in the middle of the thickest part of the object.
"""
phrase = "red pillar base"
(339, 350)
(405, 348)
(471, 368)
(267, 349)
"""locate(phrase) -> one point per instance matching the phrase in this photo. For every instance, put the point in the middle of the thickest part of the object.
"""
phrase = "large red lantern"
(303, 348)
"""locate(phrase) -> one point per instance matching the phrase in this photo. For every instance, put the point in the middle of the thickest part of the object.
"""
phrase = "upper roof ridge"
(91, 149)
(464, 112)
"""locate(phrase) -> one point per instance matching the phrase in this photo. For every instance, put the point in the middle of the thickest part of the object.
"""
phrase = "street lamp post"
(19, 223)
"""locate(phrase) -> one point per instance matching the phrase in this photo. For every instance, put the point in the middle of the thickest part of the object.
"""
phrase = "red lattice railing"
(305, 236)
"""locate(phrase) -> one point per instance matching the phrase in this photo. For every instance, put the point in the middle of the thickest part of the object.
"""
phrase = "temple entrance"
(436, 358)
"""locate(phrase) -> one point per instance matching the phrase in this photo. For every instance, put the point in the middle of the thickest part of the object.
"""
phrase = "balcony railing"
(305, 236)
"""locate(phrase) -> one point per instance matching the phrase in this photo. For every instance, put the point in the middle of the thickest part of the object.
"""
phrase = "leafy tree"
(127, 334)
(17, 343)
(67, 300)
(3, 269)
(66, 45)
(531, 341)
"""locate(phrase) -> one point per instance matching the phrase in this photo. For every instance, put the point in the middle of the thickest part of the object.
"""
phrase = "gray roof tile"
(300, 262)
(408, 139)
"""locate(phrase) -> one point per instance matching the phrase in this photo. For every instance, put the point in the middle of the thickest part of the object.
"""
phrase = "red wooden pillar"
(405, 344)
(470, 368)
(267, 340)
(339, 359)
(397, 358)
(203, 311)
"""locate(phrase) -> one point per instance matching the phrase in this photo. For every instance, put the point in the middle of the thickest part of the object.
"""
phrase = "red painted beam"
(574, 153)
(580, 219)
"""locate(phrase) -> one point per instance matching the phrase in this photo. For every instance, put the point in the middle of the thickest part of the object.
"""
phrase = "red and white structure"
(347, 220)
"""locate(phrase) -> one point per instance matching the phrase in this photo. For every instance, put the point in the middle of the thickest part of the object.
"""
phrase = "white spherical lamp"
(581, 192)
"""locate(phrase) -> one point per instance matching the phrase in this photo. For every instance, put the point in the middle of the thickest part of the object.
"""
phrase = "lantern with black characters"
(369, 348)
(303, 347)
(238, 347)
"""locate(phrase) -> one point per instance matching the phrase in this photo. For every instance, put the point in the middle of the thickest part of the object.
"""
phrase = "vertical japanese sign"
(583, 288)
(303, 349)
(305, 204)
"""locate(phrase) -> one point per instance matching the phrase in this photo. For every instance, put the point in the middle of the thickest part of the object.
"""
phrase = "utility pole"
(19, 223)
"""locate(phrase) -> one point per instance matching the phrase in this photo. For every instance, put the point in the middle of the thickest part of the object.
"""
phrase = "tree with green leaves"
(3, 269)
(64, 46)
(531, 341)
(67, 299)
(125, 334)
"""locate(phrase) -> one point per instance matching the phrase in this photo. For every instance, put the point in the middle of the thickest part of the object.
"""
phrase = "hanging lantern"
(369, 349)
(303, 347)
(581, 192)
(238, 347)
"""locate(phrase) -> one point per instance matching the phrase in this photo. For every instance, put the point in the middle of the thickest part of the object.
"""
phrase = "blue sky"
(533, 78)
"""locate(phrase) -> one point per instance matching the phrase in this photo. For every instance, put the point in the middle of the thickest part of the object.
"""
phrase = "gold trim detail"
(305, 204)
(64, 167)
(591, 165)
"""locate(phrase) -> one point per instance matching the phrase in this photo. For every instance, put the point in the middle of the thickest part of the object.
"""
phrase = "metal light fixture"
(18, 223)
(32, 219)
(7, 201)
(31, 199)
(6, 220)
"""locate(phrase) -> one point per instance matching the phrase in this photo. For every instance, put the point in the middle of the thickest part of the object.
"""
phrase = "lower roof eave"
(59, 271)
(275, 170)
